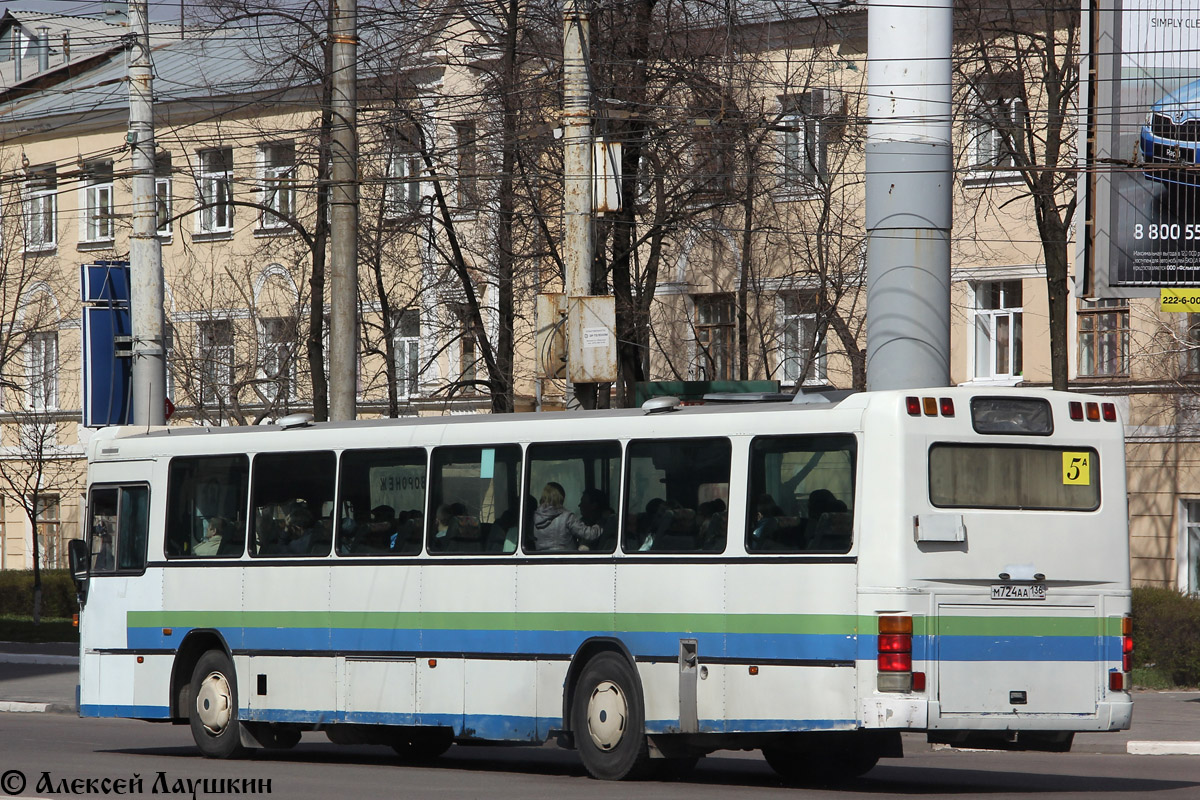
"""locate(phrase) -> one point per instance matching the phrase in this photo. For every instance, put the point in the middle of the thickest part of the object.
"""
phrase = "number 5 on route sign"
(1076, 469)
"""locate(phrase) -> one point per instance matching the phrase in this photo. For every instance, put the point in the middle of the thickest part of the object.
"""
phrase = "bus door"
(116, 530)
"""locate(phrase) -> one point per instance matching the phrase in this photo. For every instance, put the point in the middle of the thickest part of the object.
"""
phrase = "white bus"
(807, 578)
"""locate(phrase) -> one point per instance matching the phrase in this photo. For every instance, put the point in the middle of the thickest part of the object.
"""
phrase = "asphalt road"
(66, 748)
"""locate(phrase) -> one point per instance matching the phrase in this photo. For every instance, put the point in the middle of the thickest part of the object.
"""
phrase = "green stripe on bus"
(843, 624)
(500, 621)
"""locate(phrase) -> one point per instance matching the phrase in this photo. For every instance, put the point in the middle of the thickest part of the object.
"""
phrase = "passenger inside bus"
(555, 528)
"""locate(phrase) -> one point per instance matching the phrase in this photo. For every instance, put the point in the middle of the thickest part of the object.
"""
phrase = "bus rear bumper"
(917, 713)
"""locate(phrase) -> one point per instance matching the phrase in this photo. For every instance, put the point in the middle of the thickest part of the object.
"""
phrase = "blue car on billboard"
(1171, 137)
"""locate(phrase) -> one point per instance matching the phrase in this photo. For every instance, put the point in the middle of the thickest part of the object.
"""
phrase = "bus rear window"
(1009, 476)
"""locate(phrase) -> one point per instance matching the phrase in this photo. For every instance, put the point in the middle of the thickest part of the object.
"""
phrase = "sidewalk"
(43, 678)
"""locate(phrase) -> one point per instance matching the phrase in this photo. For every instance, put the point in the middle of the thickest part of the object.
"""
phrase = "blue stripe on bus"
(827, 647)
(741, 646)
(534, 729)
(126, 711)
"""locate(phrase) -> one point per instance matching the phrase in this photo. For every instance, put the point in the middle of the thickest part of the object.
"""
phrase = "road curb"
(1164, 748)
(39, 658)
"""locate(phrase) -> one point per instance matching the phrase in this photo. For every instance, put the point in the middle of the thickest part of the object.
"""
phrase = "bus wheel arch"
(607, 716)
(193, 647)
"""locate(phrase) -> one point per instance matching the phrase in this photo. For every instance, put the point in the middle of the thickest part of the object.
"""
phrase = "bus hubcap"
(214, 703)
(606, 715)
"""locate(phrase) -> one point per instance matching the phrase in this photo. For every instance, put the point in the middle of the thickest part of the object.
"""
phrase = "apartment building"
(738, 251)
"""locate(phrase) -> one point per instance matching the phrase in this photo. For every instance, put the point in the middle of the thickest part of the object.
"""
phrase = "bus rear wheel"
(213, 715)
(608, 720)
(423, 745)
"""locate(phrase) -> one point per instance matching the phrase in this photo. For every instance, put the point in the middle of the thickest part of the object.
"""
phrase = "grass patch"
(52, 629)
(1151, 678)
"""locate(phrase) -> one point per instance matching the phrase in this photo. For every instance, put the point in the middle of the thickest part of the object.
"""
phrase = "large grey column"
(909, 182)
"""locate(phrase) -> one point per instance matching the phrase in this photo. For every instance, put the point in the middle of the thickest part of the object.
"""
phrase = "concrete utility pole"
(145, 251)
(908, 210)
(343, 199)
(577, 157)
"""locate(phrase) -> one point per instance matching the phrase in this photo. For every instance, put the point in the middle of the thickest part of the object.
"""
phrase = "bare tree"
(1017, 65)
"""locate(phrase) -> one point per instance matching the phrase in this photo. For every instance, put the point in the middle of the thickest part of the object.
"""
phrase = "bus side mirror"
(80, 560)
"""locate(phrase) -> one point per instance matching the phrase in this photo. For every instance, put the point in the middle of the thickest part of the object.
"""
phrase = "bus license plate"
(1018, 591)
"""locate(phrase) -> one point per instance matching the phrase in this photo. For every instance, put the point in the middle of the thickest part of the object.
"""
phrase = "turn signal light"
(929, 406)
(1093, 412)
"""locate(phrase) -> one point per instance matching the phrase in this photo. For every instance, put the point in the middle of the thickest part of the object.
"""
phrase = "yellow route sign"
(1077, 469)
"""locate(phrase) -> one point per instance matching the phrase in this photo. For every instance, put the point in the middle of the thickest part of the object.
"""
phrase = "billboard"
(1142, 183)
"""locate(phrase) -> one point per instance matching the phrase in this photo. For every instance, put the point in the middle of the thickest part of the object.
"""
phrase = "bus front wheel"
(608, 719)
(213, 715)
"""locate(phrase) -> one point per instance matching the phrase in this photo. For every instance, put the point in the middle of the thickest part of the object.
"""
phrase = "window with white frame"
(995, 133)
(714, 337)
(1189, 548)
(804, 137)
(402, 190)
(998, 315)
(214, 352)
(41, 204)
(216, 190)
(408, 352)
(162, 195)
(277, 359)
(98, 202)
(803, 358)
(41, 370)
(278, 165)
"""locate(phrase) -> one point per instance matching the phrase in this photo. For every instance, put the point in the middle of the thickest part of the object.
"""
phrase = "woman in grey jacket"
(555, 528)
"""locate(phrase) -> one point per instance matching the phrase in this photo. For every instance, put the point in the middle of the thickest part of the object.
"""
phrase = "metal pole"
(909, 180)
(577, 157)
(145, 250)
(343, 199)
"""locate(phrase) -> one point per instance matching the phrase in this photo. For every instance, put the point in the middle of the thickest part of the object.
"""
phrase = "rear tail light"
(1109, 412)
(1076, 409)
(929, 406)
(894, 656)
(1127, 644)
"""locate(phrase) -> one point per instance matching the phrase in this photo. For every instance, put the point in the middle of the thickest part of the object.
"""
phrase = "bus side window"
(102, 529)
(801, 494)
(206, 506)
(382, 502)
(292, 504)
(573, 490)
(676, 496)
(474, 499)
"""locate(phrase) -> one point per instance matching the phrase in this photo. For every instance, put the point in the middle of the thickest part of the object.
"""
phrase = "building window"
(41, 203)
(804, 124)
(278, 184)
(468, 166)
(1103, 337)
(214, 351)
(98, 202)
(216, 190)
(402, 191)
(803, 343)
(42, 370)
(408, 352)
(996, 128)
(49, 530)
(162, 195)
(468, 348)
(277, 360)
(1189, 549)
(714, 337)
(998, 330)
